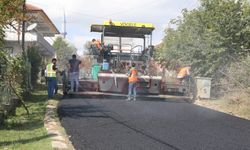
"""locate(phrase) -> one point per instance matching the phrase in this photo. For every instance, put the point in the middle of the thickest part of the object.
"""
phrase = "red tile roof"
(32, 7)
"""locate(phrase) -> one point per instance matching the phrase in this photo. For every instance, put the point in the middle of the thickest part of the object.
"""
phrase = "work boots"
(129, 99)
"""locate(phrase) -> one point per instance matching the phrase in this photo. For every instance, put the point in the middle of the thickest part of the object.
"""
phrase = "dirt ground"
(232, 106)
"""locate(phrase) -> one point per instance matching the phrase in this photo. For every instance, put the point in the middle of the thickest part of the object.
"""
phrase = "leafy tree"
(208, 37)
(87, 47)
(64, 51)
(11, 68)
(9, 11)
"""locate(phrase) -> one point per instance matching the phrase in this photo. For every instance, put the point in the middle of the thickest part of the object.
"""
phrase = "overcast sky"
(80, 14)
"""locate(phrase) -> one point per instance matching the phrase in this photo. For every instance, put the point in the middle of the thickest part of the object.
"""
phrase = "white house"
(39, 26)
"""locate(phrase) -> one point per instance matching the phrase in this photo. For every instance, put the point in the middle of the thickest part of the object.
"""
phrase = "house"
(38, 27)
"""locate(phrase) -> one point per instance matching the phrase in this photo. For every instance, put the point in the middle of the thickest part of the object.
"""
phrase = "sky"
(80, 14)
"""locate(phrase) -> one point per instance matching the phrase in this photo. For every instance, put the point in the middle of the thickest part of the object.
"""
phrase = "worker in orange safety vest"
(132, 80)
(97, 43)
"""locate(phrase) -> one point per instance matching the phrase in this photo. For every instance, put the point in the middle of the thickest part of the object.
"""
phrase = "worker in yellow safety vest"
(132, 81)
(51, 70)
(183, 73)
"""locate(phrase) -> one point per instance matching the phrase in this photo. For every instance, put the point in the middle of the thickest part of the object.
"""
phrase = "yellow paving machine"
(122, 43)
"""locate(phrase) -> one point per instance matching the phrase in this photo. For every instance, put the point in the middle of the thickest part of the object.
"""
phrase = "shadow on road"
(155, 98)
(80, 111)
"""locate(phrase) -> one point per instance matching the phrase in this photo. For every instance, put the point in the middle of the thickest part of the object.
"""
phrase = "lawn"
(21, 132)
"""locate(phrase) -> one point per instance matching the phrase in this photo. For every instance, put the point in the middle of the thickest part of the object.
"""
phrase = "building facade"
(38, 27)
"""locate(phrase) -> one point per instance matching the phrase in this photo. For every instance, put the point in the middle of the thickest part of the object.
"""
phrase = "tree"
(9, 11)
(208, 37)
(11, 68)
(64, 51)
(87, 48)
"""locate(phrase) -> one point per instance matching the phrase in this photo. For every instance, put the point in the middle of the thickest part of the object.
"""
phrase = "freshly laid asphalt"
(116, 124)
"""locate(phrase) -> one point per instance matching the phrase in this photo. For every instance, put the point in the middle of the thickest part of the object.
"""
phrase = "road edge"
(57, 134)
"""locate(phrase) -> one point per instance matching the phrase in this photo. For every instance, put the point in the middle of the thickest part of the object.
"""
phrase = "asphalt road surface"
(115, 124)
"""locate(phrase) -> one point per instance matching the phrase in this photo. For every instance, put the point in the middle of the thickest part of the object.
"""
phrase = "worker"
(74, 73)
(98, 50)
(183, 74)
(107, 51)
(58, 74)
(132, 81)
(51, 70)
(97, 43)
(144, 70)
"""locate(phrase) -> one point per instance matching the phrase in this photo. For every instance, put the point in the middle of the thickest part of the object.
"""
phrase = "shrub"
(35, 60)
(11, 78)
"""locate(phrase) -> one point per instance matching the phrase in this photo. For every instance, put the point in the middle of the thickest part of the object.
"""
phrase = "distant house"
(38, 26)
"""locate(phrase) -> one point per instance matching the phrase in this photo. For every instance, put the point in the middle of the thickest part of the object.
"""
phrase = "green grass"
(21, 132)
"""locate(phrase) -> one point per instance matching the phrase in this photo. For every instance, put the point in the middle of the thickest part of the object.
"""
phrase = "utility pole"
(23, 29)
(64, 24)
(25, 55)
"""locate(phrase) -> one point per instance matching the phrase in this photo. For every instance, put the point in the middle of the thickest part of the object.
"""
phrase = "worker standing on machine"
(97, 44)
(98, 49)
(132, 81)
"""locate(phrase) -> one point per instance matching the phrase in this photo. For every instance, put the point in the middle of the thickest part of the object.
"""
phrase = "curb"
(59, 139)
